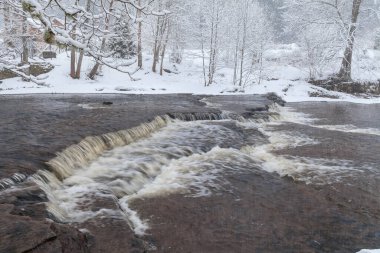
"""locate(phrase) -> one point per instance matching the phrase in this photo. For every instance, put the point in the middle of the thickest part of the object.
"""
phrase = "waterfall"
(16, 178)
(75, 175)
(79, 155)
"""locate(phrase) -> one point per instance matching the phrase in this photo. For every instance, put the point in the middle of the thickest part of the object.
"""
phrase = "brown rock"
(21, 234)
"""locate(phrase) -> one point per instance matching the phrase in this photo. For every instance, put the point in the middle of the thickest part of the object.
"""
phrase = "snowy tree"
(208, 16)
(17, 40)
(233, 34)
(179, 27)
(161, 33)
(345, 70)
(253, 35)
(332, 24)
(124, 44)
(86, 29)
(273, 11)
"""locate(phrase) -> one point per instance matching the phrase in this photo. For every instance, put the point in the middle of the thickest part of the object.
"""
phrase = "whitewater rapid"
(180, 154)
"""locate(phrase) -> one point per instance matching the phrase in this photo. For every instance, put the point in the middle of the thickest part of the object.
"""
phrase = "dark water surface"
(229, 177)
(33, 128)
(332, 206)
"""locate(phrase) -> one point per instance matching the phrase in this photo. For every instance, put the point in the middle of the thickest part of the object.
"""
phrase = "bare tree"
(107, 22)
(327, 27)
(139, 36)
(88, 30)
(25, 48)
(81, 53)
(345, 70)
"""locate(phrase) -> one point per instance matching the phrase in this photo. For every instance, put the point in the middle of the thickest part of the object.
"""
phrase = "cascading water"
(305, 169)
(13, 180)
(140, 161)
(78, 155)
(178, 153)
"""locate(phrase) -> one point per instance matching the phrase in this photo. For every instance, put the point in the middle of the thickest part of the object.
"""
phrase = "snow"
(279, 76)
(370, 251)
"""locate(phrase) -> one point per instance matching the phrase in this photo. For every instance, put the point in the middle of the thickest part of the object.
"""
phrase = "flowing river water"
(182, 173)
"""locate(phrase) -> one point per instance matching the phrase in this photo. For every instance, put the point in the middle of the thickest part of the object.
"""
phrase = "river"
(182, 173)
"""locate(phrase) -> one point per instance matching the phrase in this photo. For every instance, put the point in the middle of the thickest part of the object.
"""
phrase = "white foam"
(288, 114)
(92, 106)
(139, 226)
(170, 160)
(291, 115)
(350, 129)
(196, 175)
(210, 104)
(308, 170)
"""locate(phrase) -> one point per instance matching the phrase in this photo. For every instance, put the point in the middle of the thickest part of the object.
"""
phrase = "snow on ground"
(370, 251)
(287, 81)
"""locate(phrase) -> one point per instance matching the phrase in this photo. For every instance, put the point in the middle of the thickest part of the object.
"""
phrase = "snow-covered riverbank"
(287, 81)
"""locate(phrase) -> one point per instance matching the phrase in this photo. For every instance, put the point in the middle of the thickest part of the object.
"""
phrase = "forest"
(237, 44)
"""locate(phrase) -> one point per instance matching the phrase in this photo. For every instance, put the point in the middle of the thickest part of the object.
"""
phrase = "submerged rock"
(275, 98)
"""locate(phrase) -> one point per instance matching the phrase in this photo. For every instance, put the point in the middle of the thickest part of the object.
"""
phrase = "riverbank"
(290, 83)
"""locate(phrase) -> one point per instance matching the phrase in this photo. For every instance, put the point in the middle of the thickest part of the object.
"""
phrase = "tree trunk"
(214, 42)
(81, 54)
(25, 49)
(7, 24)
(242, 56)
(72, 65)
(243, 45)
(79, 64)
(156, 49)
(211, 57)
(261, 63)
(241, 66)
(203, 52)
(95, 69)
(73, 58)
(164, 48)
(345, 70)
(162, 60)
(139, 39)
(237, 41)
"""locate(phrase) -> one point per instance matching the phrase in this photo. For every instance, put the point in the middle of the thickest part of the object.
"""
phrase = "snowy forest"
(225, 46)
